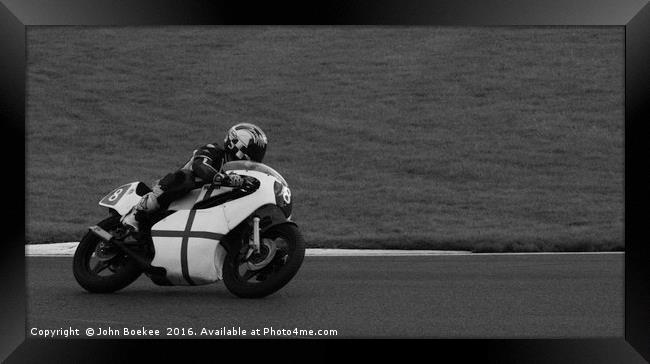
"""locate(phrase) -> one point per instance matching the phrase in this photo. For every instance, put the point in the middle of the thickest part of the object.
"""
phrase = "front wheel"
(282, 250)
(100, 267)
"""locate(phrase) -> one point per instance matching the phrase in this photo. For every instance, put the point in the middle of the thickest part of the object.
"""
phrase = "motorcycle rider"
(243, 141)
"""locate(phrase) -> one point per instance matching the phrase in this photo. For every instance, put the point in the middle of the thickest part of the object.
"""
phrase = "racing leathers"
(203, 167)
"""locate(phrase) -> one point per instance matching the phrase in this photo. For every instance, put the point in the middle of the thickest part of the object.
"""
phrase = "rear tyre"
(103, 268)
(244, 282)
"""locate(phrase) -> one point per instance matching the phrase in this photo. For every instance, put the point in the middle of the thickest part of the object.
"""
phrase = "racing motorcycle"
(241, 235)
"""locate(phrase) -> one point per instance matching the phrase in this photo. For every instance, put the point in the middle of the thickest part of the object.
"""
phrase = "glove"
(235, 180)
(232, 180)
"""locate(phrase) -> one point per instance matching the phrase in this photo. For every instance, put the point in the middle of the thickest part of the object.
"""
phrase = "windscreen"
(253, 166)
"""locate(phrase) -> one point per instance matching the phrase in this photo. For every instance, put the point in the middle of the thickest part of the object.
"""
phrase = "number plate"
(115, 196)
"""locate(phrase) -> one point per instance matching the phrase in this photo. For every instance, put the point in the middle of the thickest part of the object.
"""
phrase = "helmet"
(245, 141)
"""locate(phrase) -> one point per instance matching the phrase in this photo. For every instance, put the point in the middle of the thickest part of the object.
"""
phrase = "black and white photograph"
(325, 182)
(228, 154)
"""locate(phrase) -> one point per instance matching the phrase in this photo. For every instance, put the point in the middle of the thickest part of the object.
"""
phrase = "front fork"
(254, 245)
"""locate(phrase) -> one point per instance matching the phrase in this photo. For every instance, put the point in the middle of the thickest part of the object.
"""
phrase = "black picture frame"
(634, 15)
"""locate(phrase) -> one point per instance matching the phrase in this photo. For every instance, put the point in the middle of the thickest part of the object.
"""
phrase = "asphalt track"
(499, 296)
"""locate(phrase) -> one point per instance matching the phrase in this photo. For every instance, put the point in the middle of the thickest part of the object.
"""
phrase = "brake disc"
(260, 260)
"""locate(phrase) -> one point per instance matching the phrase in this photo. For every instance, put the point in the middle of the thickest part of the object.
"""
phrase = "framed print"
(205, 174)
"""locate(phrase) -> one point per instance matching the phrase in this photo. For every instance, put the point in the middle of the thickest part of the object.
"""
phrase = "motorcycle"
(241, 235)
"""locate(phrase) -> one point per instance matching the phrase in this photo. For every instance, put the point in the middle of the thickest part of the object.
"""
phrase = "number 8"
(115, 195)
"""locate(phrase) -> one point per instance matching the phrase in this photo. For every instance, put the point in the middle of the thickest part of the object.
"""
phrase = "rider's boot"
(146, 205)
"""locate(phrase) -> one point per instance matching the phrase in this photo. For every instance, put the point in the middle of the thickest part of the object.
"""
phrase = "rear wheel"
(255, 275)
(100, 267)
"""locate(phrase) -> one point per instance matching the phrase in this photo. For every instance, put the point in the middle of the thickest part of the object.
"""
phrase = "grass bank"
(403, 137)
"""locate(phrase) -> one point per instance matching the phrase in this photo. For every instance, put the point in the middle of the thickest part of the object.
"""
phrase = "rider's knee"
(178, 180)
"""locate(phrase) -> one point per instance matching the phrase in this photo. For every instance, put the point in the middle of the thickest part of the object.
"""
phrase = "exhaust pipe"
(108, 238)
(101, 233)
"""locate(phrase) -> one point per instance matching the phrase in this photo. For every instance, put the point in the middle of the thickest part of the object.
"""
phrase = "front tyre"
(282, 251)
(102, 268)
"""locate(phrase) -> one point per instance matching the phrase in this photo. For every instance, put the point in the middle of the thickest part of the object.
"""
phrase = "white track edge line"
(67, 249)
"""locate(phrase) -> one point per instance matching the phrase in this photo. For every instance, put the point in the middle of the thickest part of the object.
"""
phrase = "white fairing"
(186, 202)
(122, 198)
(186, 242)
